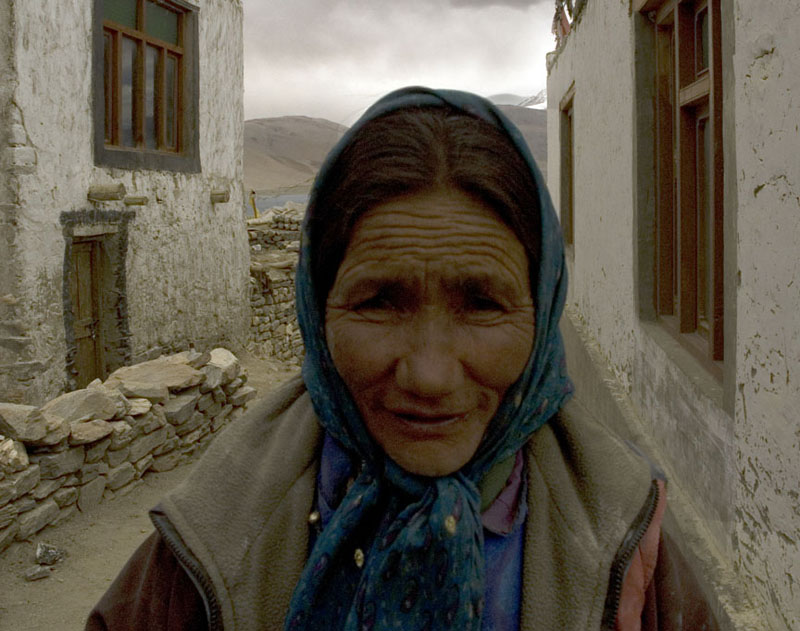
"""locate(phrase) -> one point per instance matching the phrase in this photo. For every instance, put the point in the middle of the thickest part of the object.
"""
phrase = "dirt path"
(97, 544)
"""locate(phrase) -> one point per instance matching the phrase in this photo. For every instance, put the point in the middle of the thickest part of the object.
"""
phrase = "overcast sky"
(333, 58)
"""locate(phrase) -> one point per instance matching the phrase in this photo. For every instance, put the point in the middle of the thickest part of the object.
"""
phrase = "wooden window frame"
(567, 175)
(112, 93)
(183, 154)
(688, 98)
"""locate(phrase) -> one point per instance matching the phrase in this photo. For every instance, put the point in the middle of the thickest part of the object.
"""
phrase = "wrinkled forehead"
(442, 235)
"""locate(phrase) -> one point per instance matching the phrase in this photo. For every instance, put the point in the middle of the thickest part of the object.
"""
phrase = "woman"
(426, 472)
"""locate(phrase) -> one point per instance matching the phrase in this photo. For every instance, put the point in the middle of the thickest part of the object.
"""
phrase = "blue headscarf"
(421, 538)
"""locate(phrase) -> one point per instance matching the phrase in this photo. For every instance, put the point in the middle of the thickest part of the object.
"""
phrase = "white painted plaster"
(741, 472)
(767, 102)
(187, 259)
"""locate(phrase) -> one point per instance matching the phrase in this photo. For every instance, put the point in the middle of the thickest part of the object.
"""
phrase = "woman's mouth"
(429, 418)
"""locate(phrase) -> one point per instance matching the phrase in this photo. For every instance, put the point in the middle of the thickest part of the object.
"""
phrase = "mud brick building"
(121, 232)
(673, 159)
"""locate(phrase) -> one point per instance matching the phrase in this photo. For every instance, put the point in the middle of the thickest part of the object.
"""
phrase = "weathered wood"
(220, 196)
(106, 192)
(133, 200)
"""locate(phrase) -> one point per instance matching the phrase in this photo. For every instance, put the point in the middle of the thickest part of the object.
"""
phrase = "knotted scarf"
(404, 551)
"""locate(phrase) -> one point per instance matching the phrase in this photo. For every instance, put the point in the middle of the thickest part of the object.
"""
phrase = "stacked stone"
(274, 331)
(280, 232)
(94, 443)
(287, 222)
(273, 239)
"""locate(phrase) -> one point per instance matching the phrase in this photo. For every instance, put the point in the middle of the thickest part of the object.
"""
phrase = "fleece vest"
(240, 521)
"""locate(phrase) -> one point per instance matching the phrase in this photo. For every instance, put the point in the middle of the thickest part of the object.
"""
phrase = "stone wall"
(274, 244)
(88, 445)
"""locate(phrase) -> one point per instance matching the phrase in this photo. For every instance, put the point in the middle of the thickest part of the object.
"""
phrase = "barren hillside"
(283, 154)
(533, 125)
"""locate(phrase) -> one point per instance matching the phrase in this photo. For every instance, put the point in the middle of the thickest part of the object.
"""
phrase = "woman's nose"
(431, 367)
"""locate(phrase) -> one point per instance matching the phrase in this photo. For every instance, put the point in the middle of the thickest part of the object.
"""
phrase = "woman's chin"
(431, 458)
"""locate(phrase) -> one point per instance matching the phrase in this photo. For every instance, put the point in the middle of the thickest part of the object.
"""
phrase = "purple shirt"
(502, 532)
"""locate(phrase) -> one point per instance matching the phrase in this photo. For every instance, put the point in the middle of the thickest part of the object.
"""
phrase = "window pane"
(108, 86)
(704, 223)
(701, 41)
(708, 245)
(162, 23)
(171, 102)
(150, 95)
(120, 11)
(130, 60)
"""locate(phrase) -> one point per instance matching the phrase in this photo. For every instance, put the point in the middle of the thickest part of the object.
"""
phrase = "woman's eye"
(377, 302)
(484, 303)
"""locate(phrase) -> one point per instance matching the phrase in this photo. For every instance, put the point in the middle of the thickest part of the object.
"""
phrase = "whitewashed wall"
(736, 466)
(187, 260)
(767, 101)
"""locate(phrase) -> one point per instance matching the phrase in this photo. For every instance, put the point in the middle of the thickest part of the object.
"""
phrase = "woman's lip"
(427, 418)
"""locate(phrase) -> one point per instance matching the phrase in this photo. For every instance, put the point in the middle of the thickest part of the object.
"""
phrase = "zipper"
(192, 567)
(623, 557)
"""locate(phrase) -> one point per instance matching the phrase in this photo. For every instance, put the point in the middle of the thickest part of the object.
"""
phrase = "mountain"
(533, 125)
(283, 154)
(538, 101)
(506, 99)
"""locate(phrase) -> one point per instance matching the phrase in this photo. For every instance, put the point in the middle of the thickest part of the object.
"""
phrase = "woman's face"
(429, 321)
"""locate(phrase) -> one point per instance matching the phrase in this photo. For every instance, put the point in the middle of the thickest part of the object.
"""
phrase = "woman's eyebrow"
(457, 281)
(377, 283)
(481, 283)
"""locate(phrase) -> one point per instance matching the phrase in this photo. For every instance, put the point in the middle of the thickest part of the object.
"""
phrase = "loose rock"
(37, 572)
(171, 375)
(58, 464)
(47, 554)
(34, 520)
(82, 405)
(120, 476)
(242, 396)
(22, 422)
(122, 434)
(85, 432)
(180, 408)
(139, 406)
(91, 494)
(227, 362)
(154, 392)
(13, 456)
(95, 453)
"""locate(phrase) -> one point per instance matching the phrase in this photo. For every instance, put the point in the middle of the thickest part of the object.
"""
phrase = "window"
(689, 174)
(146, 84)
(566, 128)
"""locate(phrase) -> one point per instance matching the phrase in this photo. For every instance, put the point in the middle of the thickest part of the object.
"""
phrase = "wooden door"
(86, 310)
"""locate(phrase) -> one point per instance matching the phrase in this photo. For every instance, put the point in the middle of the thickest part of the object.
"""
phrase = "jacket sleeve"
(675, 599)
(151, 592)
(641, 571)
(660, 592)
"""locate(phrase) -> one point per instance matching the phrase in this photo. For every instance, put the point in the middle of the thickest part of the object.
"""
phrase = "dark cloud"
(520, 4)
(331, 58)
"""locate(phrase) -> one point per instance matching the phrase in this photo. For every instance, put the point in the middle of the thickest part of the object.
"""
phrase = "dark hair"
(411, 151)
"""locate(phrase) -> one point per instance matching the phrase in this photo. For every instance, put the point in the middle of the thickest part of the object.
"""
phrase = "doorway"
(85, 293)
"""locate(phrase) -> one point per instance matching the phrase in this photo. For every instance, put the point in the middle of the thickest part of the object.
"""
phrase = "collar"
(503, 489)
